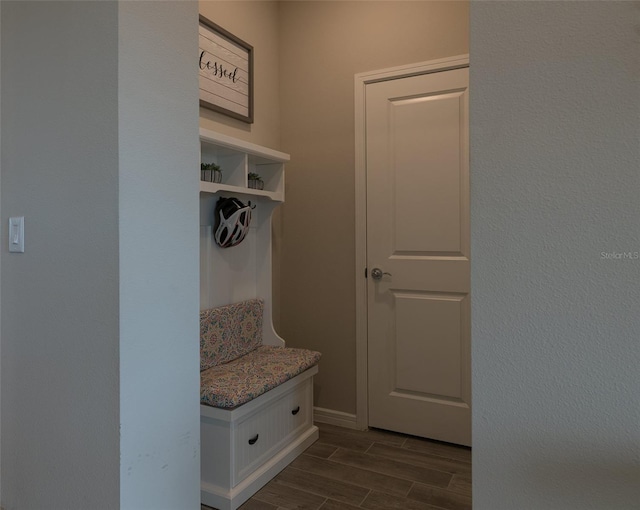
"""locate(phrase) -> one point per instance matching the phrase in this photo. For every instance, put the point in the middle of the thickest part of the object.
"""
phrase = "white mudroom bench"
(256, 412)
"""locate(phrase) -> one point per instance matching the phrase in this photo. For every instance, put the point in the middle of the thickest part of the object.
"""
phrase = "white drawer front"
(261, 435)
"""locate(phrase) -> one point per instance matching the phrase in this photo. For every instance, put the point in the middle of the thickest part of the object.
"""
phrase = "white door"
(417, 167)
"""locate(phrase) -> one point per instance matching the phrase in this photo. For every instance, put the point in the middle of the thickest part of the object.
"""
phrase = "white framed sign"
(226, 72)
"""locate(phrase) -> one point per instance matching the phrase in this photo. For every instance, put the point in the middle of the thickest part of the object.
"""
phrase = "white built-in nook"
(233, 465)
(243, 272)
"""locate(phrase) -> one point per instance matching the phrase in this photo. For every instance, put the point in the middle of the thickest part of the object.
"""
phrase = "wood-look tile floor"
(377, 470)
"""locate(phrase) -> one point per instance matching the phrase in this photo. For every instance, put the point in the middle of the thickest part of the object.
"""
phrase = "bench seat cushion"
(248, 377)
(230, 331)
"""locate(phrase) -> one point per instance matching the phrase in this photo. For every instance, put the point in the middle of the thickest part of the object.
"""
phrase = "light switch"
(16, 234)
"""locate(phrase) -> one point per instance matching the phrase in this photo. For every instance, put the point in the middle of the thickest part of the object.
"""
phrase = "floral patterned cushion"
(248, 377)
(230, 331)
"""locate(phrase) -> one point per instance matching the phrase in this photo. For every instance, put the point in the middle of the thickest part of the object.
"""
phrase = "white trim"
(361, 81)
(362, 409)
(332, 417)
(393, 73)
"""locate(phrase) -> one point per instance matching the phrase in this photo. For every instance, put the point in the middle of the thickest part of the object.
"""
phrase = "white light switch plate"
(16, 234)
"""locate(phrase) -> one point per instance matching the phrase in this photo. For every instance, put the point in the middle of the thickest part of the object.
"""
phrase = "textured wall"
(159, 268)
(0, 260)
(555, 153)
(60, 297)
(323, 45)
(99, 125)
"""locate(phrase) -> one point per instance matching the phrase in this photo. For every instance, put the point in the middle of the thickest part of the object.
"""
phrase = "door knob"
(377, 273)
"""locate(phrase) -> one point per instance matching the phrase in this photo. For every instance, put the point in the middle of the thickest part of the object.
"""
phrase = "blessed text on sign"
(225, 67)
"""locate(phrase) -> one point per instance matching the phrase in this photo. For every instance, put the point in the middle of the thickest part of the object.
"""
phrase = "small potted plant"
(210, 172)
(255, 181)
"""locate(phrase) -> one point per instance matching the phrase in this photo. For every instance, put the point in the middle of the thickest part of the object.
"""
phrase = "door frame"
(361, 82)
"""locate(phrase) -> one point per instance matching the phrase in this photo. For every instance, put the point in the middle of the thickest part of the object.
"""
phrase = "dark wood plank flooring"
(376, 470)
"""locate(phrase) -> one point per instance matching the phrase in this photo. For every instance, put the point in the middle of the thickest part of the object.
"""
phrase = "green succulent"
(210, 166)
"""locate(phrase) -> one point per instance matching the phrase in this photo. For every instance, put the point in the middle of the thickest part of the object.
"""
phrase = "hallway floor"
(377, 470)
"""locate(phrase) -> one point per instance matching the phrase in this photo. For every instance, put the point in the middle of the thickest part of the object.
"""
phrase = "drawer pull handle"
(253, 440)
(295, 411)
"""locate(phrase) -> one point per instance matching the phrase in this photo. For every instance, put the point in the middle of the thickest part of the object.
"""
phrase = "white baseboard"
(332, 417)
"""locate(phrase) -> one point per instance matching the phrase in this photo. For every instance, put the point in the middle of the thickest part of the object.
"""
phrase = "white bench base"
(232, 469)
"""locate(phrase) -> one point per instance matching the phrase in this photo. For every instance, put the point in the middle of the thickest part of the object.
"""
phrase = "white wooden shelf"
(212, 187)
(237, 159)
(230, 275)
(270, 155)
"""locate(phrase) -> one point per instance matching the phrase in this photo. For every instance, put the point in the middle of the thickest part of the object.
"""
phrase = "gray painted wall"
(555, 148)
(60, 298)
(0, 260)
(159, 255)
(100, 314)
